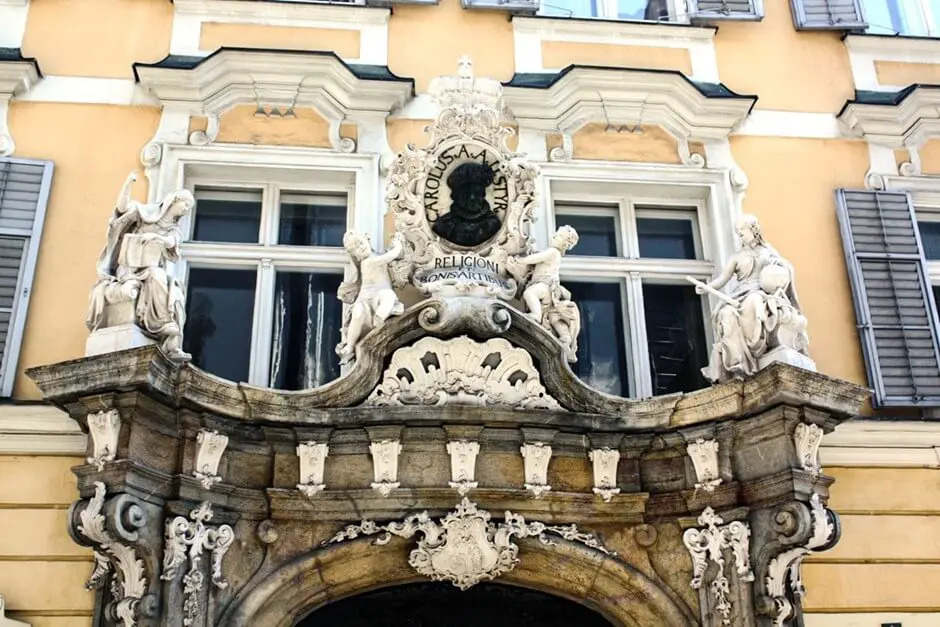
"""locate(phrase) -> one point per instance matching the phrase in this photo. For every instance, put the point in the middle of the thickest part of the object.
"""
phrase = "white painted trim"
(87, 90)
(529, 33)
(39, 430)
(13, 14)
(371, 23)
(864, 51)
(790, 124)
(872, 619)
(882, 444)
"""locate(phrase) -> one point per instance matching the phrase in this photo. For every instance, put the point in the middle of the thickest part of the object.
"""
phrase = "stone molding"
(17, 77)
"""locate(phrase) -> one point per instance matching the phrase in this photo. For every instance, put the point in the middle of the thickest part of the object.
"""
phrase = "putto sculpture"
(759, 320)
(368, 292)
(546, 300)
(134, 293)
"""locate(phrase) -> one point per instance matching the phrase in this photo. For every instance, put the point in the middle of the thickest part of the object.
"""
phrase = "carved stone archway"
(438, 604)
(610, 586)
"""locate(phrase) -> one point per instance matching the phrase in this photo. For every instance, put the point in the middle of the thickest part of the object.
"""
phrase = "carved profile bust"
(470, 221)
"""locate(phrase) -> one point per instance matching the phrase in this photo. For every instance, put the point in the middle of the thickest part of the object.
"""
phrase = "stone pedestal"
(785, 355)
(113, 339)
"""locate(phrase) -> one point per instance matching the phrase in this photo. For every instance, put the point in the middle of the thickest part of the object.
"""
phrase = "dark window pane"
(656, 10)
(930, 238)
(220, 306)
(227, 217)
(663, 238)
(602, 359)
(312, 220)
(675, 332)
(597, 235)
(307, 321)
(936, 298)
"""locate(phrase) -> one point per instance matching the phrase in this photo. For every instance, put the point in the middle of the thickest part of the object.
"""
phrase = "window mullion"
(262, 324)
(629, 243)
(635, 335)
(270, 203)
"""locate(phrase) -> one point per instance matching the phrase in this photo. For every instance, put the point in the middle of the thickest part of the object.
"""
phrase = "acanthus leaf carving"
(129, 580)
(312, 457)
(186, 541)
(704, 455)
(385, 465)
(104, 427)
(807, 438)
(707, 545)
(209, 448)
(463, 459)
(605, 462)
(536, 456)
(465, 547)
(461, 371)
(784, 568)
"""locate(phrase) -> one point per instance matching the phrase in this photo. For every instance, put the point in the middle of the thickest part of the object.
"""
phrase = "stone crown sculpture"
(135, 301)
(463, 209)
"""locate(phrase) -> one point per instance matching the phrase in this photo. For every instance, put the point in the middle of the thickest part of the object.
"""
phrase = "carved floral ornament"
(209, 448)
(707, 545)
(104, 427)
(186, 540)
(466, 547)
(704, 455)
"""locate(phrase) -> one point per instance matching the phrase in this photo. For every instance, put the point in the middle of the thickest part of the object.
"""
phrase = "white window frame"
(924, 10)
(272, 170)
(641, 185)
(607, 10)
(927, 209)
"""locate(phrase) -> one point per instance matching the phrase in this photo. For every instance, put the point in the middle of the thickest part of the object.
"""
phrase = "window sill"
(620, 29)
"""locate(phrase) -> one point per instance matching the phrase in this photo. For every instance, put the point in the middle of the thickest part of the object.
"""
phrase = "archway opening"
(429, 604)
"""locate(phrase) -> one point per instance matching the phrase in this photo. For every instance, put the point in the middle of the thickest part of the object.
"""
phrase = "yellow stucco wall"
(42, 572)
(344, 43)
(99, 38)
(560, 54)
(789, 70)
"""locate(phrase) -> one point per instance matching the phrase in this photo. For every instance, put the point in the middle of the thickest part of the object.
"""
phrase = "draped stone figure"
(133, 286)
(760, 315)
(369, 291)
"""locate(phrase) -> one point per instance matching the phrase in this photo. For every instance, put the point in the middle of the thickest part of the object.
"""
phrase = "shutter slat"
(893, 299)
(827, 15)
(711, 10)
(23, 194)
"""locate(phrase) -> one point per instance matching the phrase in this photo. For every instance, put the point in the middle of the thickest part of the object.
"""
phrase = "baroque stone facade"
(458, 446)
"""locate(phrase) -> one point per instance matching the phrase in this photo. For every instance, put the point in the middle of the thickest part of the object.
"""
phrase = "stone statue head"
(565, 238)
(468, 183)
(748, 229)
(357, 245)
(178, 203)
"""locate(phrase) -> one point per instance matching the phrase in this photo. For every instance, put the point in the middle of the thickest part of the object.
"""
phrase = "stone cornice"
(69, 384)
(233, 76)
(18, 74)
(578, 95)
(900, 119)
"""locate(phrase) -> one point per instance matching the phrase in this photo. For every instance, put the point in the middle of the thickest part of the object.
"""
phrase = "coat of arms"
(465, 547)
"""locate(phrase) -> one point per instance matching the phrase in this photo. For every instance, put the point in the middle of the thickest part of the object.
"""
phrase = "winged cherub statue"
(368, 292)
(546, 300)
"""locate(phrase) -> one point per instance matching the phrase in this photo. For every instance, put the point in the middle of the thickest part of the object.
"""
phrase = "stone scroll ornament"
(759, 320)
(466, 547)
(134, 293)
(187, 540)
(116, 561)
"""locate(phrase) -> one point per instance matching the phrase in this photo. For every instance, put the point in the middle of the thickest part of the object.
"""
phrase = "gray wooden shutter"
(24, 194)
(894, 304)
(709, 10)
(828, 14)
(522, 6)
